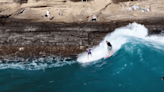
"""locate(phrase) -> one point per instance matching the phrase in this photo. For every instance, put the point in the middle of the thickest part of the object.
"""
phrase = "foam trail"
(36, 63)
(117, 39)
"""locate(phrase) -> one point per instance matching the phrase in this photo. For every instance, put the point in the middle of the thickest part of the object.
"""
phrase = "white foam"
(117, 39)
(36, 64)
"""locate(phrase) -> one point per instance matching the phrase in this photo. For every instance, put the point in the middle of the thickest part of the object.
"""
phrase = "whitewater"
(135, 66)
(117, 38)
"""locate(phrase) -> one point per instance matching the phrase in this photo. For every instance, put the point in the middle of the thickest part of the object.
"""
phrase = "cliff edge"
(69, 11)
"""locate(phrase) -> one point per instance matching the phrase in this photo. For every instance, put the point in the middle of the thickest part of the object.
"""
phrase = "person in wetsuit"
(89, 52)
(109, 47)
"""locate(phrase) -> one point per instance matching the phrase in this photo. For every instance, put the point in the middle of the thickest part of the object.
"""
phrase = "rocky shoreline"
(23, 38)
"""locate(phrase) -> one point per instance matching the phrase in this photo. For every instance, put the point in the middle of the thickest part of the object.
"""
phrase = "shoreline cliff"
(34, 39)
(26, 33)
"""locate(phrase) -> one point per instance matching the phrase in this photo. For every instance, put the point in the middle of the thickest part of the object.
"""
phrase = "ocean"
(135, 66)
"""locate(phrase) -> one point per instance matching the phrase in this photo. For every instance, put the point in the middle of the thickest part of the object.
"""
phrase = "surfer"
(89, 52)
(109, 47)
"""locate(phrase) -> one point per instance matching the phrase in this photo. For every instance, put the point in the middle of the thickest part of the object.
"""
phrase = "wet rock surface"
(24, 38)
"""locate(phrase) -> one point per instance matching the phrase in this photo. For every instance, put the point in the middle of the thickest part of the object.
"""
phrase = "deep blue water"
(136, 67)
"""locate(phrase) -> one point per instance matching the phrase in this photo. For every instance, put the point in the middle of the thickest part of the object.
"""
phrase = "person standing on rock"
(48, 13)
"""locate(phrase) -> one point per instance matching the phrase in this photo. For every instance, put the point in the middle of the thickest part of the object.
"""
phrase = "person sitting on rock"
(94, 18)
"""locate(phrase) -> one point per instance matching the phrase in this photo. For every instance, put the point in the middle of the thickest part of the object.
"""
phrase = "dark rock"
(66, 39)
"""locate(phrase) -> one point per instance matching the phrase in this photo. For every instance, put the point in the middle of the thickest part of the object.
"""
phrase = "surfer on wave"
(109, 47)
(89, 52)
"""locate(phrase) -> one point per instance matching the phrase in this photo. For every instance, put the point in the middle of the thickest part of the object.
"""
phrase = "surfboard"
(107, 57)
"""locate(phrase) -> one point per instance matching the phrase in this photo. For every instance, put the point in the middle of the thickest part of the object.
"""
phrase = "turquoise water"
(136, 67)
